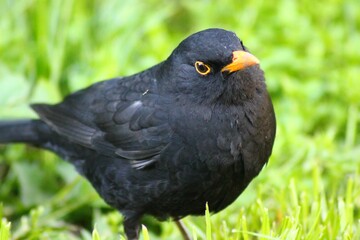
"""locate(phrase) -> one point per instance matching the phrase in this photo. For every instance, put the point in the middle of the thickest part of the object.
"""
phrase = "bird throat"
(243, 86)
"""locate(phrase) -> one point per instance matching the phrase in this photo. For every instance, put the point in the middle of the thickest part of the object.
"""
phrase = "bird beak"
(240, 60)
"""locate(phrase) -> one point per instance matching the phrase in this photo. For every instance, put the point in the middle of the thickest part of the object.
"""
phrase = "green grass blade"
(208, 223)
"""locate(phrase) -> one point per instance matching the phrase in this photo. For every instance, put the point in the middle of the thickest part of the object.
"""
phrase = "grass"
(309, 52)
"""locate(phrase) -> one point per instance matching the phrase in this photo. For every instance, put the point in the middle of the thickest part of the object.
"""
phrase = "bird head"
(212, 65)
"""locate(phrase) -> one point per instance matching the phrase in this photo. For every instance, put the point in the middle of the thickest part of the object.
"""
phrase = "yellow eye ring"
(202, 68)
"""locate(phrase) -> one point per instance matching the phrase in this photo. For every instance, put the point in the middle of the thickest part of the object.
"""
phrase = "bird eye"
(202, 68)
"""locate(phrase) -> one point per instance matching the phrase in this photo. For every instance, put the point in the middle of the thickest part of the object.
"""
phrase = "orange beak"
(241, 60)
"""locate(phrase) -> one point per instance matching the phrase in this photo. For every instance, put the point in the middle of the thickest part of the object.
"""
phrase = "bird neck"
(243, 87)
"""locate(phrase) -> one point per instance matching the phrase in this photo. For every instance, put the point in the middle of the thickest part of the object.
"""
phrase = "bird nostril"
(235, 57)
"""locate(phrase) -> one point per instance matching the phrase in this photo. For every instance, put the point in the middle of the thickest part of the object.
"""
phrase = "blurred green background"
(309, 50)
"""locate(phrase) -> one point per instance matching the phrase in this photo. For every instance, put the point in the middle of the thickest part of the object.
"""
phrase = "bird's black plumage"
(166, 140)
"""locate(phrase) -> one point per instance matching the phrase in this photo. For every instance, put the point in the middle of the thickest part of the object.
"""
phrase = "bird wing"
(138, 129)
(130, 126)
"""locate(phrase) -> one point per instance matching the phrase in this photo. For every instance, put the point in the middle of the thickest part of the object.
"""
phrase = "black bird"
(193, 129)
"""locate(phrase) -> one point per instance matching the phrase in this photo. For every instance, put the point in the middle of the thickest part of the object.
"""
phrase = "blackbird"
(193, 129)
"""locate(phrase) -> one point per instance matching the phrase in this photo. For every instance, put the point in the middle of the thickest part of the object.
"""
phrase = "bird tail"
(37, 133)
(21, 131)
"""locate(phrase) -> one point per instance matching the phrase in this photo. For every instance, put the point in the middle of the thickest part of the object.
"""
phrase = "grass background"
(310, 52)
